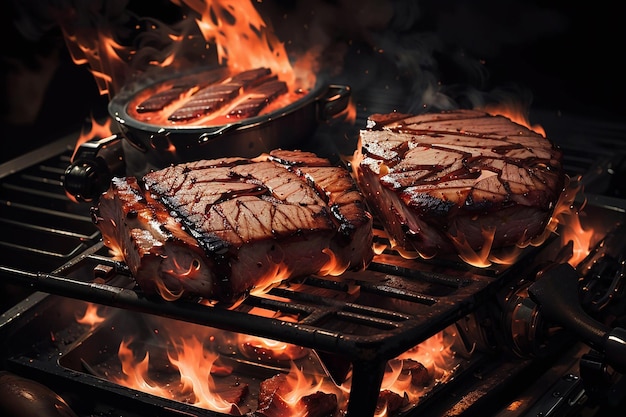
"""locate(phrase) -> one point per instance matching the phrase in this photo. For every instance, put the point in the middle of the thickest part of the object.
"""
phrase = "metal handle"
(334, 101)
(211, 133)
(556, 294)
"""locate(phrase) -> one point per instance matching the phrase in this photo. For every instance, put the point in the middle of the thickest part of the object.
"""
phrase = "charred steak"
(443, 180)
(219, 228)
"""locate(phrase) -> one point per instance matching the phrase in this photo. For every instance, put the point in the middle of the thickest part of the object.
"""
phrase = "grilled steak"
(446, 180)
(220, 228)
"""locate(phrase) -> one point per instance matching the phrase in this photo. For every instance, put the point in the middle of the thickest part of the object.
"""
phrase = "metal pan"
(153, 146)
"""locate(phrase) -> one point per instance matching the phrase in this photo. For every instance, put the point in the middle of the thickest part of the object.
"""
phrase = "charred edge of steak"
(297, 158)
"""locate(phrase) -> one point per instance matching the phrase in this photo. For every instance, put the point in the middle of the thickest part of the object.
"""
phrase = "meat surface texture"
(220, 228)
(445, 181)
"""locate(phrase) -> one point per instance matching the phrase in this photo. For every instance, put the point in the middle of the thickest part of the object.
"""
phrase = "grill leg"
(367, 378)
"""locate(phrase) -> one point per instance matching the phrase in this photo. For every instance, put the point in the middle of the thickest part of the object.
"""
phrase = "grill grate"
(49, 242)
(42, 228)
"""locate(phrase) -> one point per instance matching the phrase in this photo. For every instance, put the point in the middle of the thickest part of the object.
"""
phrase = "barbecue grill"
(536, 337)
(55, 260)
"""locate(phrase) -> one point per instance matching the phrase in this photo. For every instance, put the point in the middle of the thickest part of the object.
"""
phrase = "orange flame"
(298, 385)
(570, 227)
(479, 259)
(96, 48)
(438, 363)
(136, 372)
(233, 30)
(193, 351)
(272, 278)
(516, 113)
(241, 36)
(91, 316)
(194, 365)
(581, 238)
(333, 267)
(96, 131)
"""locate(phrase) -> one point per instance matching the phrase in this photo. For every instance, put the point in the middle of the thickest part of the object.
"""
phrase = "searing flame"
(96, 131)
(194, 365)
(333, 266)
(136, 372)
(228, 32)
(516, 113)
(91, 317)
(242, 37)
(276, 274)
(565, 220)
(481, 258)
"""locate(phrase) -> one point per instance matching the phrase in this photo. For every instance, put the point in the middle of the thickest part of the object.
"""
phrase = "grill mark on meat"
(161, 99)
(216, 96)
(259, 98)
(442, 165)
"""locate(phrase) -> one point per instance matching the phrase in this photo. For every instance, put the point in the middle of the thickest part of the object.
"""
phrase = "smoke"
(413, 56)
(416, 55)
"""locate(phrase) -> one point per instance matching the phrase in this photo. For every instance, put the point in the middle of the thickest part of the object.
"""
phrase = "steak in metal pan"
(440, 181)
(219, 228)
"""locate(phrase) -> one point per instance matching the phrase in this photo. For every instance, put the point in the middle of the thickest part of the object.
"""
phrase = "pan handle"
(211, 133)
(556, 294)
(334, 101)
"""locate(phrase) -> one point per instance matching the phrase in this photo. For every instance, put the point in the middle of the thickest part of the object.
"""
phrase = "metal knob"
(92, 168)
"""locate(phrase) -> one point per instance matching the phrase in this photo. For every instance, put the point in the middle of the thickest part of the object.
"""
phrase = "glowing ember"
(411, 373)
(291, 394)
(268, 350)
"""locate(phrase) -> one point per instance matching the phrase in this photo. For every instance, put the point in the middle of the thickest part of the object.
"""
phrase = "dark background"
(567, 58)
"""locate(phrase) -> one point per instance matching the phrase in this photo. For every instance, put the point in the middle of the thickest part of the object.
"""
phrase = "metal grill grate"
(49, 244)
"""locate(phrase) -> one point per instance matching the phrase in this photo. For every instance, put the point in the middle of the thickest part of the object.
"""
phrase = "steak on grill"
(219, 228)
(439, 180)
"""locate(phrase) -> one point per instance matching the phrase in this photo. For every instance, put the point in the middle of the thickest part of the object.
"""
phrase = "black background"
(562, 57)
